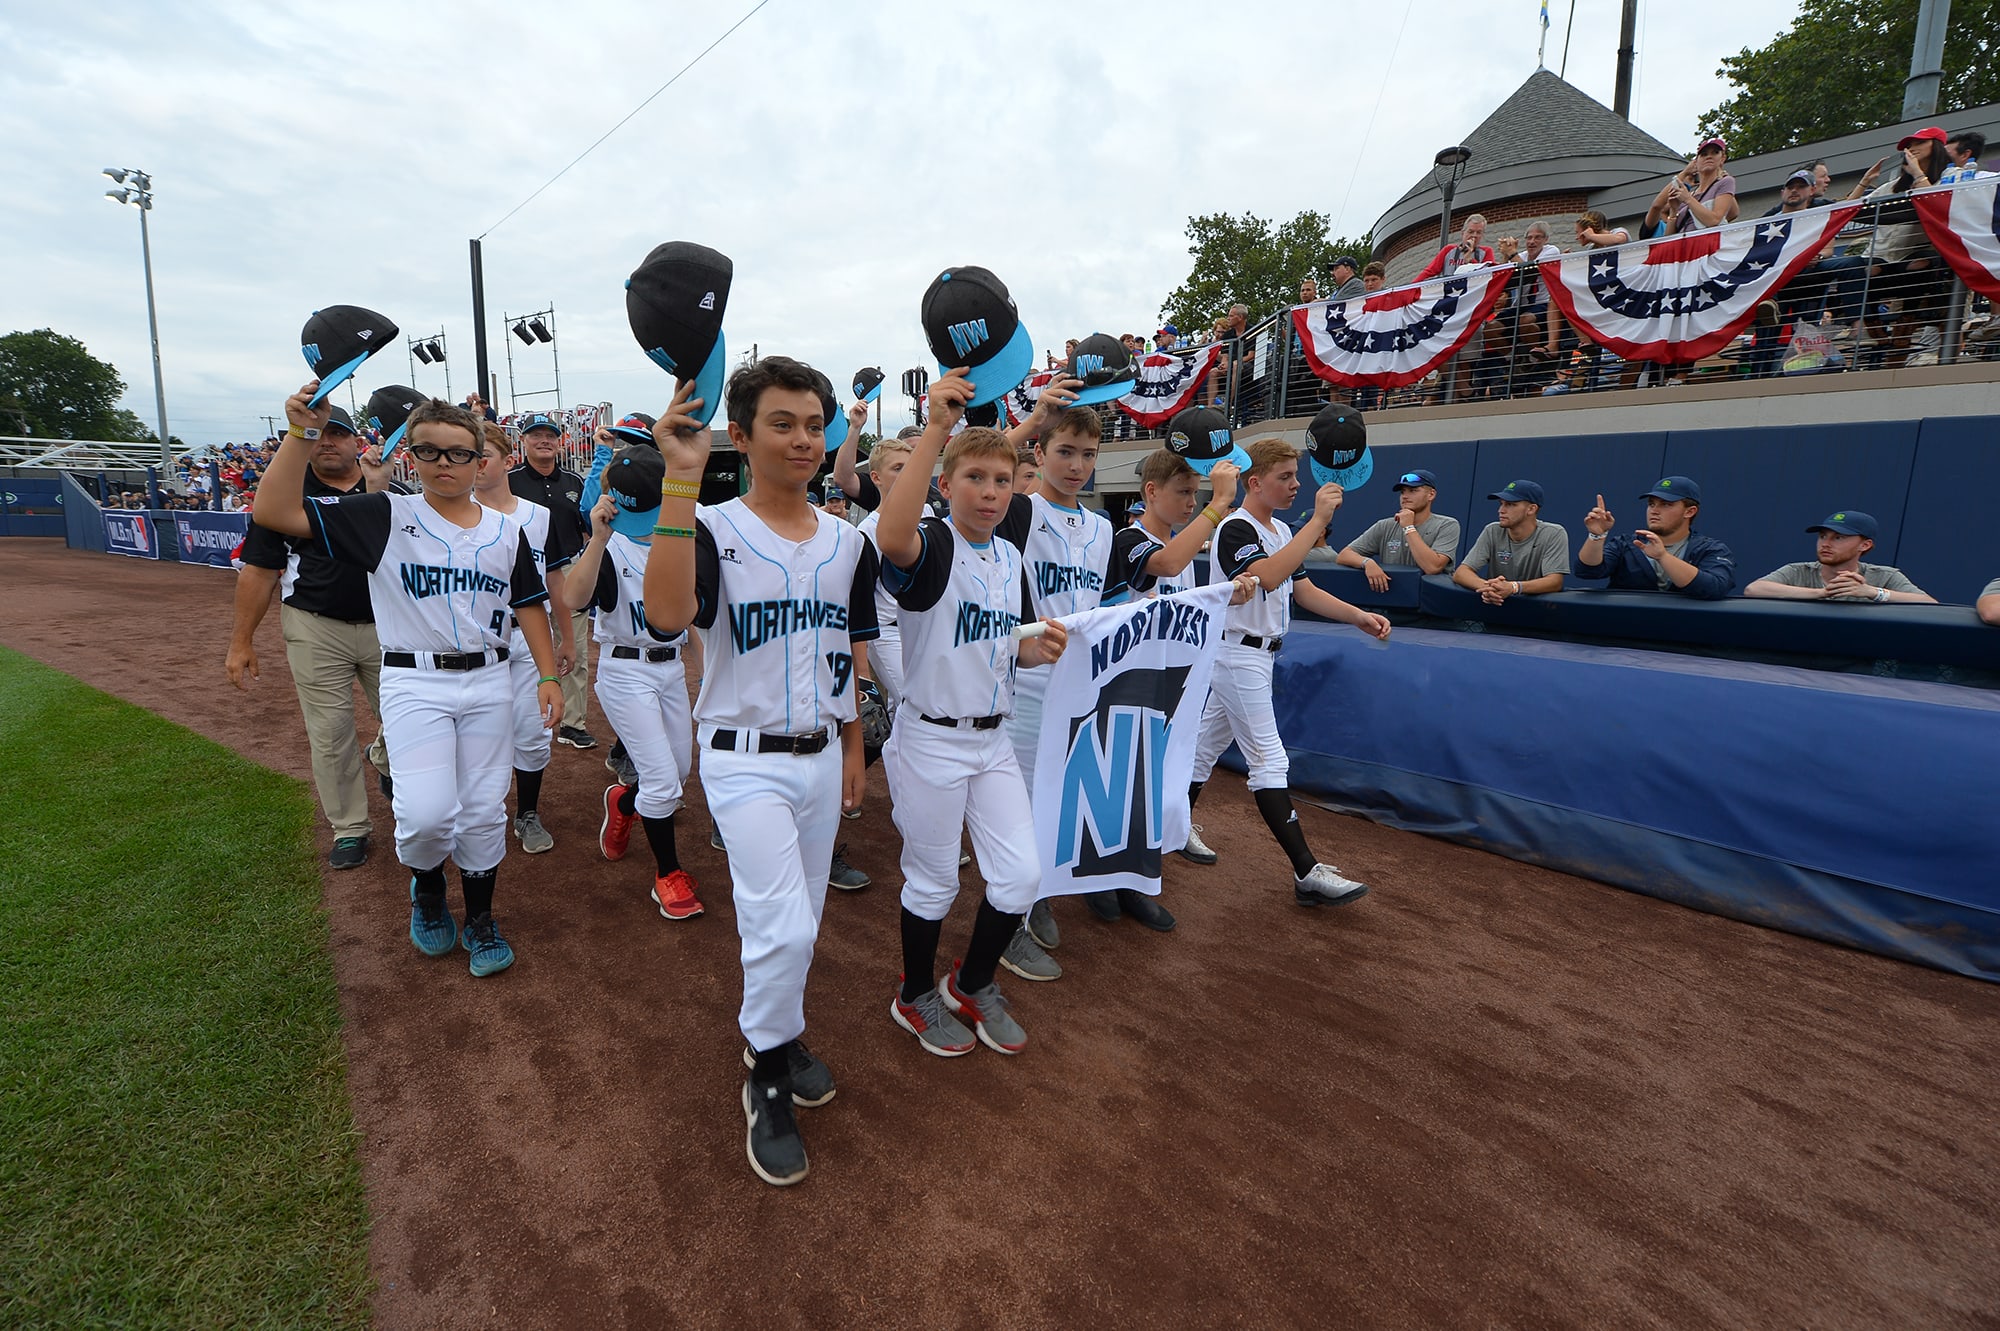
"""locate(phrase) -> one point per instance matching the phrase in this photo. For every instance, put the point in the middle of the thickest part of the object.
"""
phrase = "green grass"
(175, 1142)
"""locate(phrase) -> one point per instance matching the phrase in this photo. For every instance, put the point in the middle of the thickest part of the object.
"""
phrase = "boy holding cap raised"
(1525, 556)
(1411, 537)
(1665, 555)
(1838, 574)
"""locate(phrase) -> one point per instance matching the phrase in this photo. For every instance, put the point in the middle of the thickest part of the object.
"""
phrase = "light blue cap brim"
(1001, 373)
(874, 392)
(708, 383)
(836, 429)
(636, 523)
(338, 376)
(1203, 466)
(1350, 478)
(1090, 397)
(395, 440)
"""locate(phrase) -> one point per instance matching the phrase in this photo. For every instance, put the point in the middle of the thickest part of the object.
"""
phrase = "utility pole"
(1628, 27)
(1920, 90)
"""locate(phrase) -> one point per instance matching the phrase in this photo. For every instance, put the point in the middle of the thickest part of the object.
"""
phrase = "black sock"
(666, 855)
(527, 792)
(990, 932)
(773, 1064)
(478, 889)
(430, 882)
(920, 944)
(1194, 792)
(628, 801)
(1283, 820)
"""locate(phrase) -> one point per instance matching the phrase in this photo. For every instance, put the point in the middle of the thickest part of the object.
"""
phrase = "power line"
(1341, 213)
(628, 115)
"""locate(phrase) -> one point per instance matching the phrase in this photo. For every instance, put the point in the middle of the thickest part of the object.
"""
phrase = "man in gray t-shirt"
(1988, 603)
(1414, 537)
(1523, 555)
(1838, 574)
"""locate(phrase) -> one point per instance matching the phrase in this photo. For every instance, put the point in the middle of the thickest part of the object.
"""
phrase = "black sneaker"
(844, 875)
(349, 852)
(1104, 905)
(812, 1080)
(388, 785)
(1145, 909)
(576, 737)
(777, 1152)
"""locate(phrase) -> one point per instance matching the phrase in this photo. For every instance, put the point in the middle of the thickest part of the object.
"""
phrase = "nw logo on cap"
(708, 301)
(1218, 438)
(312, 353)
(966, 336)
(1089, 364)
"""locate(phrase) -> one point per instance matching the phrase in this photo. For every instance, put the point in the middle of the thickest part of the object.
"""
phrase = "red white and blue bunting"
(1963, 223)
(1396, 337)
(1168, 382)
(1684, 297)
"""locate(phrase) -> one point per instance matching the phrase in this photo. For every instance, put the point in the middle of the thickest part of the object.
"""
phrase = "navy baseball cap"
(1847, 523)
(1347, 259)
(637, 428)
(337, 339)
(1411, 479)
(1105, 365)
(538, 420)
(340, 420)
(1675, 487)
(970, 320)
(632, 479)
(868, 384)
(1202, 436)
(674, 301)
(1526, 492)
(1339, 452)
(389, 411)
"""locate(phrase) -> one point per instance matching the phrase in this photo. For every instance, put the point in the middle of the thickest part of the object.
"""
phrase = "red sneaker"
(675, 896)
(616, 833)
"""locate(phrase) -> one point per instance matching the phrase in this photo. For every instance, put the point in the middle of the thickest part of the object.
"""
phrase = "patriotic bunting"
(1963, 223)
(1168, 383)
(1684, 297)
(1393, 338)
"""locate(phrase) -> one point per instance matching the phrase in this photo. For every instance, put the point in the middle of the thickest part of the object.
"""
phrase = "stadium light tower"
(1447, 171)
(138, 192)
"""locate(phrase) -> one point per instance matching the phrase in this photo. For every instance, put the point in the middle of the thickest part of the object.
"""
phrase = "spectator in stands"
(1167, 338)
(1838, 574)
(1524, 555)
(1134, 344)
(1469, 252)
(1988, 603)
(1830, 286)
(1411, 537)
(1374, 277)
(1701, 194)
(1963, 148)
(1347, 283)
(1822, 182)
(1308, 290)
(1666, 555)
(1905, 272)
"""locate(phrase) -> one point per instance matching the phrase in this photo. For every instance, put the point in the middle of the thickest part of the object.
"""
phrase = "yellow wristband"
(674, 531)
(303, 433)
(681, 489)
(1213, 516)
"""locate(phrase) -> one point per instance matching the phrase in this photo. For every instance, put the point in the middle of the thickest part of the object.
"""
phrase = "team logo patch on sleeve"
(1247, 551)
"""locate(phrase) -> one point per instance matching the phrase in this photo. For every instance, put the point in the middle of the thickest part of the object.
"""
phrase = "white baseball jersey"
(1068, 555)
(961, 603)
(435, 586)
(1130, 550)
(621, 597)
(779, 620)
(1239, 542)
(549, 552)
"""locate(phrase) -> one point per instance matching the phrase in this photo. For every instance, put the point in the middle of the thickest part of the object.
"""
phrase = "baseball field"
(1488, 1095)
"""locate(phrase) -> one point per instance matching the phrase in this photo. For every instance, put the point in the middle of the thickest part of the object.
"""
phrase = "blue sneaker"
(432, 928)
(489, 950)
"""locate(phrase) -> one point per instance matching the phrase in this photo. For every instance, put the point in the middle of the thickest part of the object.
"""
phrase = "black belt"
(1252, 640)
(445, 660)
(800, 744)
(975, 722)
(654, 654)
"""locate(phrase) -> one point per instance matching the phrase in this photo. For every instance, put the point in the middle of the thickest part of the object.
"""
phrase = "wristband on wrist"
(307, 433)
(1881, 594)
(548, 679)
(680, 489)
(1214, 517)
(674, 531)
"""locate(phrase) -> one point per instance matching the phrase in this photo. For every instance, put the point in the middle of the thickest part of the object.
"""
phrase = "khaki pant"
(327, 656)
(575, 685)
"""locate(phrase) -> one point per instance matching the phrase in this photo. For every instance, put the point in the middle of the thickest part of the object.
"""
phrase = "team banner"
(1118, 733)
(131, 533)
(211, 538)
(1963, 223)
(1168, 383)
(1684, 297)
(1396, 337)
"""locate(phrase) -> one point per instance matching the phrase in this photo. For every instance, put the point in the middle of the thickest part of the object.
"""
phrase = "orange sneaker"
(675, 896)
(616, 832)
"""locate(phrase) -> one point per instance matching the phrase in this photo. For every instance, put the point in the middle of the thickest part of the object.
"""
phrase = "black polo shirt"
(312, 582)
(561, 493)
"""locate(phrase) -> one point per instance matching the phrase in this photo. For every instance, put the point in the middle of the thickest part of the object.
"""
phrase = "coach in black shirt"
(330, 642)
(543, 479)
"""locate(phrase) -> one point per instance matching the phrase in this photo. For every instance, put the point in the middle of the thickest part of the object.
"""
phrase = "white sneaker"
(1325, 887)
(1196, 849)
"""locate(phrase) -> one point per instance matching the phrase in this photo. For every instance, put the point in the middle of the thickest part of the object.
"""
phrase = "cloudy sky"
(839, 152)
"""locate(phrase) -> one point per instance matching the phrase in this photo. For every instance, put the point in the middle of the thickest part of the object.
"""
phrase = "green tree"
(1840, 69)
(51, 387)
(1246, 259)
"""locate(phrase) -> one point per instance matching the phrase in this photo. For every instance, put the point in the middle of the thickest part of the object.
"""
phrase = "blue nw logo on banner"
(1113, 796)
(966, 336)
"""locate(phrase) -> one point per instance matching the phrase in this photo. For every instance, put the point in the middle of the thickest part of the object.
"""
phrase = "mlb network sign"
(1117, 744)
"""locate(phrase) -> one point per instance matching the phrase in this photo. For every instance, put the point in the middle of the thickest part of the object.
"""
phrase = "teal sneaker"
(489, 950)
(432, 928)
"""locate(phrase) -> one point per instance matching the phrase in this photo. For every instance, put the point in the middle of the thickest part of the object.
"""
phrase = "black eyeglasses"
(458, 457)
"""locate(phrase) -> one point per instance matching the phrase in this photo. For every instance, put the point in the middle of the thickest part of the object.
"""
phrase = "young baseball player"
(950, 767)
(1067, 549)
(641, 678)
(889, 460)
(781, 595)
(551, 545)
(444, 574)
(1253, 540)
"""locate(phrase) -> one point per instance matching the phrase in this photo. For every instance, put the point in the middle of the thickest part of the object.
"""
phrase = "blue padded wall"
(1957, 465)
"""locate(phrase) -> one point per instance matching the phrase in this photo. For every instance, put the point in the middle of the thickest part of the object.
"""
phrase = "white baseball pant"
(1239, 708)
(778, 813)
(942, 779)
(450, 735)
(647, 704)
(1024, 725)
(885, 660)
(531, 740)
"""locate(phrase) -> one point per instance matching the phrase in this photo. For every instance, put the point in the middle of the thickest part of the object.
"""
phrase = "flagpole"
(1542, 49)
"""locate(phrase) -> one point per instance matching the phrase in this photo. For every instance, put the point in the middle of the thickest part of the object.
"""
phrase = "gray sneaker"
(988, 1011)
(1196, 850)
(534, 837)
(715, 838)
(1325, 887)
(1041, 925)
(812, 1080)
(620, 765)
(937, 1031)
(1024, 957)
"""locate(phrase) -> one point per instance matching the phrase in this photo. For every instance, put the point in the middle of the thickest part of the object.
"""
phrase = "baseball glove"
(874, 715)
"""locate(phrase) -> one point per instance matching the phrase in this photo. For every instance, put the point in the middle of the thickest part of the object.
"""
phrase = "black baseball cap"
(1802, 177)
(339, 419)
(337, 339)
(986, 415)
(632, 479)
(538, 420)
(389, 411)
(1339, 450)
(1347, 259)
(835, 420)
(1105, 365)
(1848, 523)
(636, 428)
(674, 301)
(1202, 436)
(1526, 492)
(868, 384)
(1675, 487)
(970, 320)
(1409, 480)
